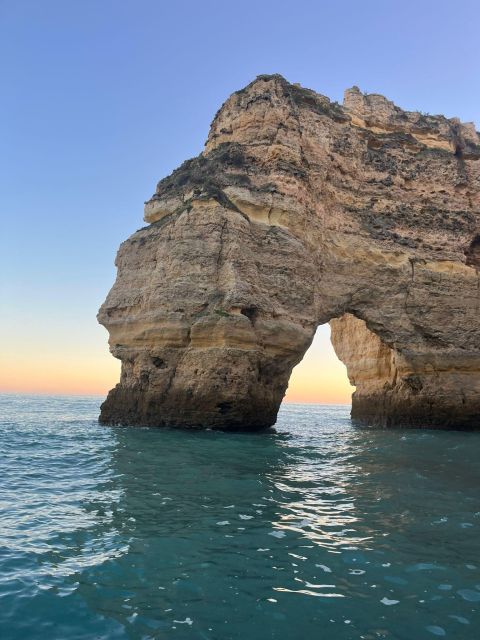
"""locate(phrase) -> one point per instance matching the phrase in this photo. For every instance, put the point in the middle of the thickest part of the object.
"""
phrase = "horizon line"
(101, 395)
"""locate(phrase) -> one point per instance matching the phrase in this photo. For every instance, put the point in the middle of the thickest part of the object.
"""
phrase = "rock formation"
(299, 212)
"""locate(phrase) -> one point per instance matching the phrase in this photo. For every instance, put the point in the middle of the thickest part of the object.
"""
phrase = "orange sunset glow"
(61, 369)
(320, 377)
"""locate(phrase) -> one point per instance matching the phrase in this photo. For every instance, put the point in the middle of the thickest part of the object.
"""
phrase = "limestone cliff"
(299, 212)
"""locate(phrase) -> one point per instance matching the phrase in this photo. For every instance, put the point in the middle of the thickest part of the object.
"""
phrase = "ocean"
(318, 529)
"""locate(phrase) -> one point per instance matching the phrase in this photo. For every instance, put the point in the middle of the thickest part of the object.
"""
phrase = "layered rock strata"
(298, 212)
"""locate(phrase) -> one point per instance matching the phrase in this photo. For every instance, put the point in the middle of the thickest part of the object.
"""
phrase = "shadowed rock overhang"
(301, 211)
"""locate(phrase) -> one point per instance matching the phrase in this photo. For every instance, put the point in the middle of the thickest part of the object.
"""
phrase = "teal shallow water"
(318, 530)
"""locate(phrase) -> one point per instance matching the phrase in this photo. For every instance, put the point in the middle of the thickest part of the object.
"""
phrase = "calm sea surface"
(320, 530)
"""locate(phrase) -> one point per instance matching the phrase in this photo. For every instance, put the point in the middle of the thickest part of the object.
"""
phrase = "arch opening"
(320, 377)
(376, 379)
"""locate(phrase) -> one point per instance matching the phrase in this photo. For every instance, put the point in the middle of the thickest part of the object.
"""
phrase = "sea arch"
(301, 212)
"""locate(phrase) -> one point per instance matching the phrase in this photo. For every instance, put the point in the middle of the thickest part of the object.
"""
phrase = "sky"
(102, 98)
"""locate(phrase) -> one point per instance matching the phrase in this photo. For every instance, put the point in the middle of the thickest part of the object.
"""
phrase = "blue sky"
(102, 98)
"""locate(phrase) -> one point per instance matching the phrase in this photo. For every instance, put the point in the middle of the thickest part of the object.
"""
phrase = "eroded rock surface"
(299, 212)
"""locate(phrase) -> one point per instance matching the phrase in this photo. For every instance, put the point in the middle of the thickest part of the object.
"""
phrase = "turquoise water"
(320, 530)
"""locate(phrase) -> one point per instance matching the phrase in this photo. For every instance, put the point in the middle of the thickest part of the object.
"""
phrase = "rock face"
(299, 212)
